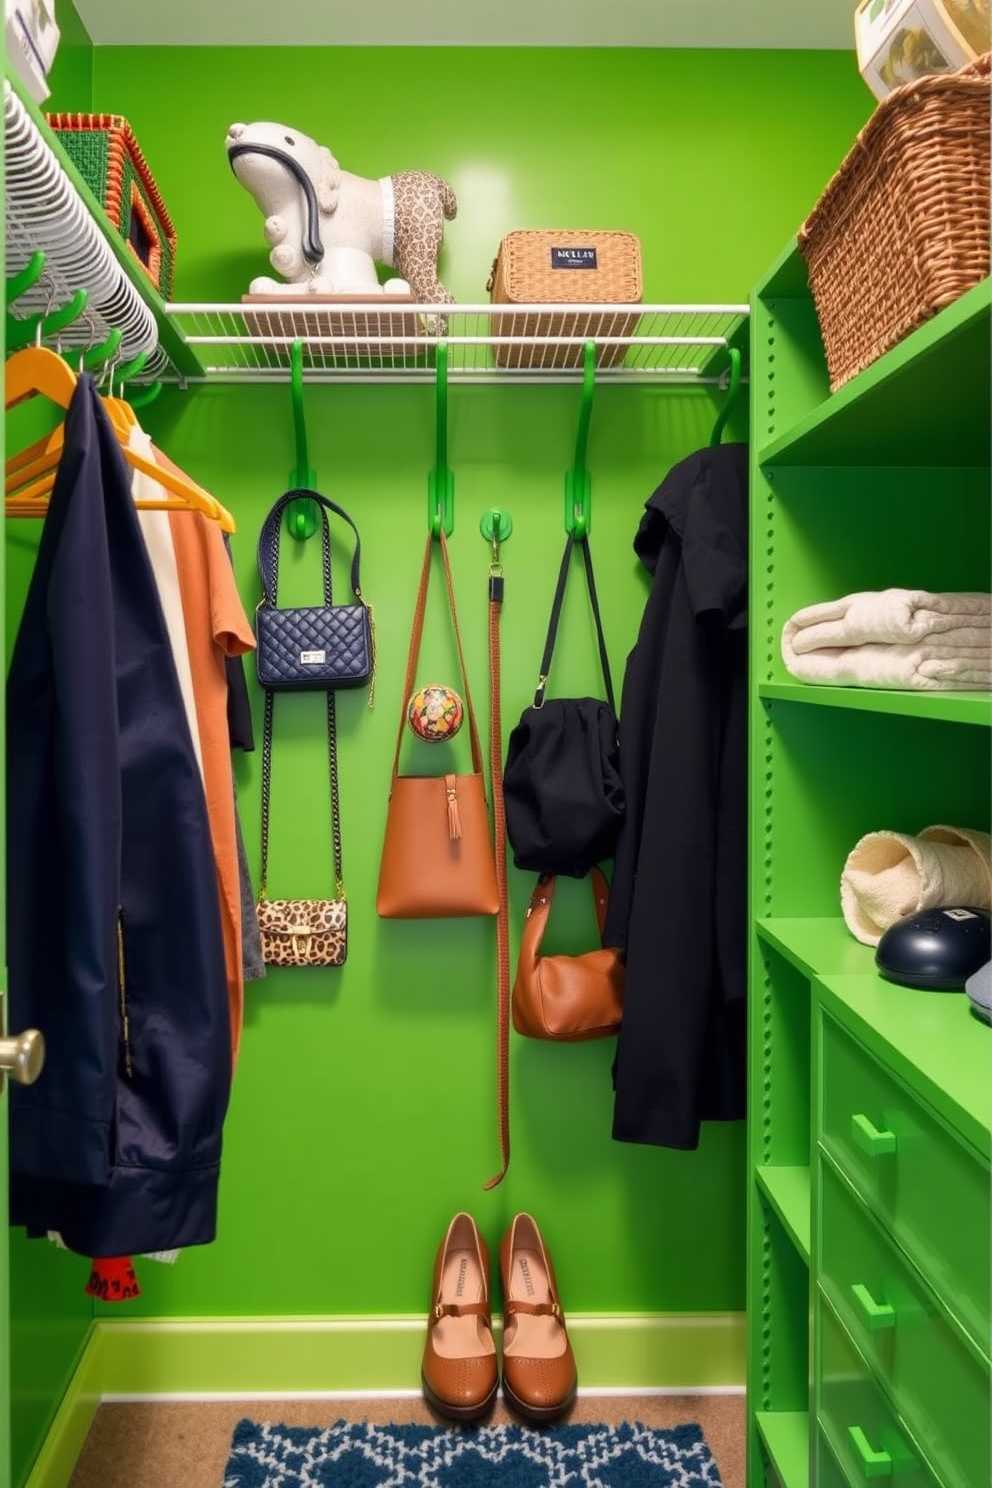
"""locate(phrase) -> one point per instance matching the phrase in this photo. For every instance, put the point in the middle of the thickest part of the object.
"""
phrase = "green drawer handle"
(868, 1137)
(873, 1464)
(878, 1315)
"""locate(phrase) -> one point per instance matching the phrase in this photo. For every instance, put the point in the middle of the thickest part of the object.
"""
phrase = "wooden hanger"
(37, 371)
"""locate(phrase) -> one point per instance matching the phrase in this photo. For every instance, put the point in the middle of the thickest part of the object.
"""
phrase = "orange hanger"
(36, 370)
(50, 445)
(46, 452)
(29, 478)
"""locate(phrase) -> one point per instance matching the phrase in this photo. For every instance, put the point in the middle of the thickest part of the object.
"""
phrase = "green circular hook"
(496, 524)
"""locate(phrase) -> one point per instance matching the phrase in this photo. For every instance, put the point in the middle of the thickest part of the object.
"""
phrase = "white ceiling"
(651, 23)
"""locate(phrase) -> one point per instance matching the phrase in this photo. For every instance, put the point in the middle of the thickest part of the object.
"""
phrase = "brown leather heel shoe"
(539, 1378)
(459, 1371)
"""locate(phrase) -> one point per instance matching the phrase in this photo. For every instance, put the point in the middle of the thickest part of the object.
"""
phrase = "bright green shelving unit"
(884, 483)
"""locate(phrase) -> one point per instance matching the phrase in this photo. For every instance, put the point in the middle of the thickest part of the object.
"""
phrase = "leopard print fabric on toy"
(422, 201)
(303, 932)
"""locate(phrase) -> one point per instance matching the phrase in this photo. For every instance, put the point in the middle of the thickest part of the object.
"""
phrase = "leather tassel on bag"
(454, 820)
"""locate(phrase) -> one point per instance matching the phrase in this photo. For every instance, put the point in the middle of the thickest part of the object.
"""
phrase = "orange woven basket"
(903, 228)
(538, 266)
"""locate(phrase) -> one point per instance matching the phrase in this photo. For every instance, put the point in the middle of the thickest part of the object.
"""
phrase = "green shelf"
(787, 1189)
(818, 947)
(898, 411)
(949, 707)
(786, 1438)
(931, 1038)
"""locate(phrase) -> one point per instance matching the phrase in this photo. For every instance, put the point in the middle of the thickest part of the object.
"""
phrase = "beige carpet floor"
(168, 1445)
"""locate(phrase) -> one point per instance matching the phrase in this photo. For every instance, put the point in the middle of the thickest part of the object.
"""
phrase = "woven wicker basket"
(903, 227)
(109, 158)
(538, 266)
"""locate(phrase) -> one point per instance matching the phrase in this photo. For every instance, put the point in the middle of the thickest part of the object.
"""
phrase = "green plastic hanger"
(25, 278)
(128, 370)
(301, 515)
(145, 395)
(733, 388)
(441, 480)
(98, 356)
(21, 333)
(578, 483)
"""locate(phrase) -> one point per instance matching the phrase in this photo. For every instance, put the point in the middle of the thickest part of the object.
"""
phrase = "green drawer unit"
(861, 1428)
(922, 1182)
(928, 1364)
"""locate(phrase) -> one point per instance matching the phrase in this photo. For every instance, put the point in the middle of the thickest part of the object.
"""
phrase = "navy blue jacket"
(113, 927)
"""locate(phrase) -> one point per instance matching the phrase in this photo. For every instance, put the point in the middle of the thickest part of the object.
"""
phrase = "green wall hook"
(23, 332)
(496, 525)
(25, 278)
(578, 484)
(441, 480)
(301, 515)
(733, 388)
(97, 356)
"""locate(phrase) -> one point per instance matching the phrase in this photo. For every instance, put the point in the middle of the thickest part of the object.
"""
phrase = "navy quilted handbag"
(318, 648)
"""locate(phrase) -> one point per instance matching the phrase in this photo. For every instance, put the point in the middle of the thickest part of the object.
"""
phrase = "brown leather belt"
(499, 835)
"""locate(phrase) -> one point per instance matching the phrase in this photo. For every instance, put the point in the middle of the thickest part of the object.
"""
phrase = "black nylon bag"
(561, 782)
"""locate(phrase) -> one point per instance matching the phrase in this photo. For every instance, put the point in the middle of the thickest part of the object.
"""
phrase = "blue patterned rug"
(360, 1455)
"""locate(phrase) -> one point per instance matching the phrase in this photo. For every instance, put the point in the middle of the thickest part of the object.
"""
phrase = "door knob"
(22, 1057)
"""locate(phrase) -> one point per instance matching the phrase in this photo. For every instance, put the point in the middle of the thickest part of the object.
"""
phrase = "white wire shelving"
(397, 341)
(50, 207)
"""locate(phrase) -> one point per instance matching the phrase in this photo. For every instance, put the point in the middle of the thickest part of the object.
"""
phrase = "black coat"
(109, 870)
(678, 900)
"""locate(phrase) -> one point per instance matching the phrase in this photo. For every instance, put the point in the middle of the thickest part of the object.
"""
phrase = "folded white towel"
(889, 875)
(899, 616)
(937, 665)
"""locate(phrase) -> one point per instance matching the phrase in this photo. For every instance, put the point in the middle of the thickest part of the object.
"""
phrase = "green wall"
(363, 1113)
(713, 158)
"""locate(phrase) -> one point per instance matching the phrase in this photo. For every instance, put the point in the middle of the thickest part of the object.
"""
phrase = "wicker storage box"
(108, 157)
(537, 266)
(903, 228)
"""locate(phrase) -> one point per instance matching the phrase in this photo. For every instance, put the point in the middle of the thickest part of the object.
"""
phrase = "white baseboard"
(207, 1397)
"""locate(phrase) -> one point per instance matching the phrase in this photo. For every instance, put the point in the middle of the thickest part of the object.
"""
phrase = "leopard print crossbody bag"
(302, 932)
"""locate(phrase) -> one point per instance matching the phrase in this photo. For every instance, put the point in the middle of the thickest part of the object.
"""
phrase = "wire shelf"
(396, 340)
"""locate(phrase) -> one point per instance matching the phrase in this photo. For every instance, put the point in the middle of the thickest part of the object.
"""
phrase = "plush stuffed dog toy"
(328, 229)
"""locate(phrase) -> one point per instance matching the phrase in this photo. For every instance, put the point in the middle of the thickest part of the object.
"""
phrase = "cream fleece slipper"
(889, 875)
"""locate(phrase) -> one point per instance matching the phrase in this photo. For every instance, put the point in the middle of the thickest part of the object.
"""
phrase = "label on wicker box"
(573, 258)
